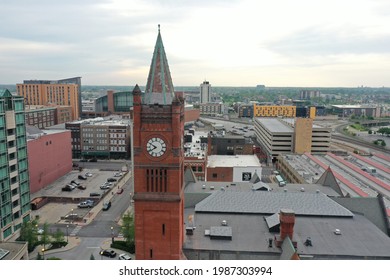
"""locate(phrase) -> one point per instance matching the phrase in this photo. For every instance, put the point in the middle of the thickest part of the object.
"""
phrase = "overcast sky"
(306, 43)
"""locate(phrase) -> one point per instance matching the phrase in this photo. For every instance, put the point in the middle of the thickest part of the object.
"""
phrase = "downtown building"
(14, 174)
(65, 92)
(103, 138)
(285, 136)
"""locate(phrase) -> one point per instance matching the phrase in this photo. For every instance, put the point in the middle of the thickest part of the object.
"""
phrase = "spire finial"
(159, 28)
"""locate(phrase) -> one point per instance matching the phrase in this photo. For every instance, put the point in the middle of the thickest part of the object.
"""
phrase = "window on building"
(215, 175)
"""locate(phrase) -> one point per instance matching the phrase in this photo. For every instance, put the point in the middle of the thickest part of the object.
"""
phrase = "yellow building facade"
(274, 111)
(48, 94)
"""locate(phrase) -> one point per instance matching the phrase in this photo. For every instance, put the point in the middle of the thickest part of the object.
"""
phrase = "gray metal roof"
(310, 204)
(370, 207)
(359, 237)
(275, 125)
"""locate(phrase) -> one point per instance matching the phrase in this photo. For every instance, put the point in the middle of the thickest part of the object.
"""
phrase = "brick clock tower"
(158, 131)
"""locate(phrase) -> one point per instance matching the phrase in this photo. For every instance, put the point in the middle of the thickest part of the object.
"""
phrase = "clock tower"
(158, 130)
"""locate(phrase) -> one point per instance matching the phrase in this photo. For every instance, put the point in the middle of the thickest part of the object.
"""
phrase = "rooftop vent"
(224, 223)
(308, 242)
(211, 187)
(302, 189)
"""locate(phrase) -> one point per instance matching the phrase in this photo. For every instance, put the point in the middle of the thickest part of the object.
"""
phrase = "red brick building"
(158, 116)
(49, 157)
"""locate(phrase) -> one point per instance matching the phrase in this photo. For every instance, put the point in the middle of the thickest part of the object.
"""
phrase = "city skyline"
(239, 43)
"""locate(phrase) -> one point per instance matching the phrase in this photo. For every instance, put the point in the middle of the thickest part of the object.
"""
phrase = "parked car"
(93, 160)
(119, 191)
(83, 160)
(111, 180)
(106, 205)
(80, 187)
(74, 182)
(82, 177)
(104, 187)
(118, 174)
(86, 204)
(88, 174)
(94, 194)
(108, 253)
(124, 257)
(67, 188)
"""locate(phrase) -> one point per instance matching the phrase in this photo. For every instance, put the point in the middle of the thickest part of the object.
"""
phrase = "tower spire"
(159, 87)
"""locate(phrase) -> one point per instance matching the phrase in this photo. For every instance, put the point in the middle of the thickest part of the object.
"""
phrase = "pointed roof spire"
(328, 179)
(159, 87)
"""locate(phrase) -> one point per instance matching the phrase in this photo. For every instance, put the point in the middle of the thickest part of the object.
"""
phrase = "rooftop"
(233, 161)
(275, 125)
(258, 202)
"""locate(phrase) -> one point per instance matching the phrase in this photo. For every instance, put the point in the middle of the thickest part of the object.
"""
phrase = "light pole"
(112, 234)
(72, 216)
(67, 239)
(43, 253)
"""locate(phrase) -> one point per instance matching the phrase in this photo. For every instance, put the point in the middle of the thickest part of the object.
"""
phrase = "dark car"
(75, 183)
(82, 177)
(106, 206)
(108, 253)
(94, 194)
(93, 160)
(80, 187)
(119, 191)
(111, 180)
(67, 188)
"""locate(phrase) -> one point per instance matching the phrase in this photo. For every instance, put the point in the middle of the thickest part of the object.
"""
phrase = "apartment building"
(66, 92)
(14, 175)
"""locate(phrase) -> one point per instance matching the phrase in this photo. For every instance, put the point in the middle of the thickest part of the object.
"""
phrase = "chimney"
(287, 222)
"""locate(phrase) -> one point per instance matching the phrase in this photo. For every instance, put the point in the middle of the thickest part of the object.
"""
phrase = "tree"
(58, 239)
(28, 233)
(127, 228)
(45, 237)
(92, 257)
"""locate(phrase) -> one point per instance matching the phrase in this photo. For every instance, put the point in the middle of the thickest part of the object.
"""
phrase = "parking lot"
(63, 206)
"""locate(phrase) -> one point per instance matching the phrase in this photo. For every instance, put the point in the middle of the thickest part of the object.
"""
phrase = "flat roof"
(262, 202)
(233, 161)
(275, 125)
(360, 106)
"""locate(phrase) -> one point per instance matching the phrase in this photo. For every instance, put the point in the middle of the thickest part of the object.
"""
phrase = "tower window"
(163, 229)
(151, 253)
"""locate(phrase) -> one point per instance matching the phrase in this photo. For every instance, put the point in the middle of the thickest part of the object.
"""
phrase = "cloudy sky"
(308, 43)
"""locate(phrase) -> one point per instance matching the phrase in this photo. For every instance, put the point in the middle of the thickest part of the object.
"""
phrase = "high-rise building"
(205, 92)
(14, 176)
(158, 116)
(66, 92)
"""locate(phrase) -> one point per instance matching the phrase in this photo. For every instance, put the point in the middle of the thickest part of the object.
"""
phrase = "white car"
(124, 257)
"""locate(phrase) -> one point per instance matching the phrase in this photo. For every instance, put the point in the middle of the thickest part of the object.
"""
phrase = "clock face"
(156, 147)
